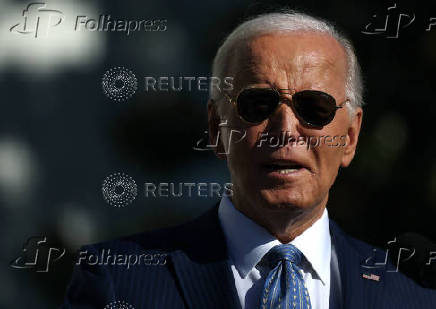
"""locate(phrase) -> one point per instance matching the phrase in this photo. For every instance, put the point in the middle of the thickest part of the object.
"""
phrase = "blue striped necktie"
(284, 286)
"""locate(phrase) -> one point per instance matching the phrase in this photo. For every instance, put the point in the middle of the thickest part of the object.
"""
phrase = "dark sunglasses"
(315, 108)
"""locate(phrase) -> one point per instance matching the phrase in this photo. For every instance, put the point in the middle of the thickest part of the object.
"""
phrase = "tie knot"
(284, 284)
(279, 253)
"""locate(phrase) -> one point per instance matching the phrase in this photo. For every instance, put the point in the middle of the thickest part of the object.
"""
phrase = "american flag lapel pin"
(371, 277)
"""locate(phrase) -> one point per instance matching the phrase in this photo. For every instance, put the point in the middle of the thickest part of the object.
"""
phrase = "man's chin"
(282, 201)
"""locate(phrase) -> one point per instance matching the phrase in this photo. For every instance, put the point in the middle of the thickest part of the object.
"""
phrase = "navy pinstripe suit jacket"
(196, 274)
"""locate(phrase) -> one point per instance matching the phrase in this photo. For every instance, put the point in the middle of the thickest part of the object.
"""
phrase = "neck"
(283, 223)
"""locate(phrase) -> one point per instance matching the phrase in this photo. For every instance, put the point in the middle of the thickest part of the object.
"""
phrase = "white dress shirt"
(248, 242)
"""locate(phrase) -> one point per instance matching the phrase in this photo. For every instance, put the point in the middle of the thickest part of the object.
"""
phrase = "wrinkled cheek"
(329, 171)
(239, 163)
(326, 160)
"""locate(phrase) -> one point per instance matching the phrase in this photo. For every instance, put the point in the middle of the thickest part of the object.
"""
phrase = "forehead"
(299, 58)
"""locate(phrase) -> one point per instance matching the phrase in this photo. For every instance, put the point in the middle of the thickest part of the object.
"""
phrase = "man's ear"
(214, 121)
(352, 137)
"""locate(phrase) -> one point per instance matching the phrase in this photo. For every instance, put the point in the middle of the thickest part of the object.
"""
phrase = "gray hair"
(289, 21)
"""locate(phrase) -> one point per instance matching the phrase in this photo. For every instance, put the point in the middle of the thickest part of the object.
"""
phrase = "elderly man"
(271, 245)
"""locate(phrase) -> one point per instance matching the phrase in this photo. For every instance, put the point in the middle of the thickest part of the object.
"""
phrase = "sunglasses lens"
(314, 107)
(257, 104)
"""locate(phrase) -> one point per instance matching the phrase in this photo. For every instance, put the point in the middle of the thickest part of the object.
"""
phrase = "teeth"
(287, 171)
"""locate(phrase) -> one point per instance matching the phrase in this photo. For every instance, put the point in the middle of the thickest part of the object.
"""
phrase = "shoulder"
(377, 272)
(109, 270)
(185, 237)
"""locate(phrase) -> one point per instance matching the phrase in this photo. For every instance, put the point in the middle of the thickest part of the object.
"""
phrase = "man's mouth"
(283, 167)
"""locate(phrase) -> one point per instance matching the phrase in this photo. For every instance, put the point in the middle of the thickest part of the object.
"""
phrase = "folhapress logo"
(37, 254)
(38, 20)
(394, 21)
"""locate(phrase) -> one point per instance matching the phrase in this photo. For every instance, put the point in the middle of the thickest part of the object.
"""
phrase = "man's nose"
(283, 119)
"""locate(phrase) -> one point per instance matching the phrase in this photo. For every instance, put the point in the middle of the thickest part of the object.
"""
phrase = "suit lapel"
(202, 266)
(362, 281)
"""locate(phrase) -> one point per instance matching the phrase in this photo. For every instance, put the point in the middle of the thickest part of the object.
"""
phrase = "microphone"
(420, 265)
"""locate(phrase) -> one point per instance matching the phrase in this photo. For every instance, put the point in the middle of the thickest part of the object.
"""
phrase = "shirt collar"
(248, 242)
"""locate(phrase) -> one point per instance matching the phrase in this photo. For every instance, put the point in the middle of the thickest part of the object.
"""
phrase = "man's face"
(289, 176)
